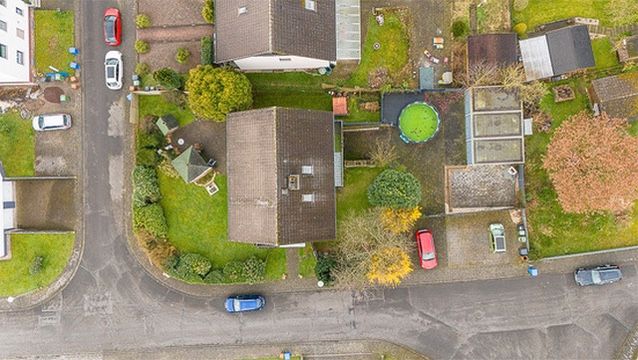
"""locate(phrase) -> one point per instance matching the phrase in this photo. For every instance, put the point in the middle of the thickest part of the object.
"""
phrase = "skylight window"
(310, 5)
(242, 10)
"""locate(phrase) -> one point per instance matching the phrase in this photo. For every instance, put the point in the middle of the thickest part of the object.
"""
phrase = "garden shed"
(492, 49)
(191, 166)
(167, 124)
(617, 95)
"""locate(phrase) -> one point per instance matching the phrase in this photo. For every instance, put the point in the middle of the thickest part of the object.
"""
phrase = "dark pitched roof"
(618, 95)
(266, 147)
(570, 49)
(497, 49)
(282, 27)
(190, 165)
(167, 123)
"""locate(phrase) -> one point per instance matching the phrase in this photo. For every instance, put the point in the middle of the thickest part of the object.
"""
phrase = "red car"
(427, 252)
(112, 27)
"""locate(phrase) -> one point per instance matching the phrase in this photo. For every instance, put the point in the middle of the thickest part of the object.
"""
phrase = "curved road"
(112, 304)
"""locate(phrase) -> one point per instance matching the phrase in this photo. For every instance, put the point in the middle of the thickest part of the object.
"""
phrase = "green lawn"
(353, 197)
(604, 53)
(542, 11)
(552, 231)
(307, 262)
(56, 249)
(156, 105)
(198, 223)
(392, 55)
(291, 89)
(53, 38)
(17, 145)
(356, 114)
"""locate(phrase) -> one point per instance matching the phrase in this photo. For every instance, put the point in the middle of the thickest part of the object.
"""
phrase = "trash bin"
(532, 271)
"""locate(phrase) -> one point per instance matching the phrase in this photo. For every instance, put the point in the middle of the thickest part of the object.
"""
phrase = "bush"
(182, 55)
(7, 128)
(193, 264)
(142, 47)
(233, 272)
(206, 54)
(460, 29)
(214, 277)
(142, 69)
(251, 270)
(323, 268)
(147, 125)
(36, 265)
(208, 11)
(168, 78)
(142, 21)
(176, 98)
(520, 29)
(159, 252)
(145, 186)
(151, 219)
(214, 92)
(395, 189)
(146, 157)
(151, 140)
(398, 221)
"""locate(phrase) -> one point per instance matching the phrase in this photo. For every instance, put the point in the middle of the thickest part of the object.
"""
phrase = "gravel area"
(172, 13)
(163, 55)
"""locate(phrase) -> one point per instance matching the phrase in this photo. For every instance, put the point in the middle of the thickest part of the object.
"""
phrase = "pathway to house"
(174, 33)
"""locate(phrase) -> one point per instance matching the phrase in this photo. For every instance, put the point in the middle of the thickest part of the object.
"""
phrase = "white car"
(113, 70)
(51, 122)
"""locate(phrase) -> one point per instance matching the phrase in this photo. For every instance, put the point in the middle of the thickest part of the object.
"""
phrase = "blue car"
(242, 303)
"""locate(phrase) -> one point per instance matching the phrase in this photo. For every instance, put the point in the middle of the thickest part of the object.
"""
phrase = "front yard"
(553, 231)
(17, 145)
(54, 35)
(156, 105)
(15, 275)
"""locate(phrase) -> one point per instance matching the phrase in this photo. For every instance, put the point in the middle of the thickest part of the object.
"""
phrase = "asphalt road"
(112, 304)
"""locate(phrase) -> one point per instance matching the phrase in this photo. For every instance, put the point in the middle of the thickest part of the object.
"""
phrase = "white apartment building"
(15, 40)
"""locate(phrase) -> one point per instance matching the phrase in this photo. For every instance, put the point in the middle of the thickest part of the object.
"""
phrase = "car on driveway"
(598, 275)
(50, 122)
(113, 69)
(497, 237)
(244, 303)
(426, 249)
(112, 27)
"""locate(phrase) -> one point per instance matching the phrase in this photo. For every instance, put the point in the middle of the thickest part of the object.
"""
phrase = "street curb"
(590, 253)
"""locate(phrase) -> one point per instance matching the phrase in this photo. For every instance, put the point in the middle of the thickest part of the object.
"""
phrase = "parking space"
(46, 204)
(468, 241)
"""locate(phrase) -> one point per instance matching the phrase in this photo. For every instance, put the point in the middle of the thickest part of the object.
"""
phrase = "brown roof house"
(617, 95)
(492, 49)
(281, 182)
(266, 35)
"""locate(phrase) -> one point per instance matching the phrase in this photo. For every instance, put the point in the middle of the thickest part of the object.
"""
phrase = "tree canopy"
(592, 163)
(395, 189)
(214, 92)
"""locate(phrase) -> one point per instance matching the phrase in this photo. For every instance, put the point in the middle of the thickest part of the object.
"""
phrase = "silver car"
(51, 122)
(113, 69)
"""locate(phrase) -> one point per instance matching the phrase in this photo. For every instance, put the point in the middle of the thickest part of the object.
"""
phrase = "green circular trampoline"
(418, 122)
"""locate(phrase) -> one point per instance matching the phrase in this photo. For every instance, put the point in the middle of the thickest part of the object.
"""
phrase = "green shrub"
(151, 140)
(214, 92)
(146, 157)
(7, 128)
(171, 262)
(193, 264)
(460, 29)
(176, 98)
(36, 265)
(168, 78)
(151, 219)
(208, 11)
(520, 29)
(142, 47)
(214, 277)
(233, 272)
(142, 21)
(182, 55)
(254, 270)
(323, 268)
(395, 189)
(145, 186)
(142, 69)
(206, 54)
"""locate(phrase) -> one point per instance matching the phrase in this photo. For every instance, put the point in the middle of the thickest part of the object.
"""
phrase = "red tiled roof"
(339, 105)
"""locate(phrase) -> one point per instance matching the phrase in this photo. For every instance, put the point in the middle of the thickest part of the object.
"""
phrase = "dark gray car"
(598, 275)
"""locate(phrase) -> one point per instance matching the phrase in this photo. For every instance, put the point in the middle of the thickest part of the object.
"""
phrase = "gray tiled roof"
(496, 49)
(618, 95)
(282, 27)
(570, 49)
(190, 165)
(265, 147)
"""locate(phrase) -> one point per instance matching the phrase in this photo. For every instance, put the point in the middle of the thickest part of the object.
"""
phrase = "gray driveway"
(113, 304)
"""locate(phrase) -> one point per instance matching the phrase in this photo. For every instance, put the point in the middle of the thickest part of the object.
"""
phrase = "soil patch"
(52, 94)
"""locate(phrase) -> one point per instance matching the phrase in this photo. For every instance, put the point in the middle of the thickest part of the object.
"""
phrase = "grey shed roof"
(618, 95)
(265, 147)
(167, 123)
(281, 27)
(190, 165)
(557, 52)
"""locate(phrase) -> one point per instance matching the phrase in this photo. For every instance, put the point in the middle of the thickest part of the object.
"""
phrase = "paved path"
(175, 33)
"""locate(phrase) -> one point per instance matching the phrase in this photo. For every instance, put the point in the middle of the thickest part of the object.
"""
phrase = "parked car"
(497, 237)
(112, 27)
(598, 275)
(51, 122)
(243, 303)
(426, 249)
(113, 70)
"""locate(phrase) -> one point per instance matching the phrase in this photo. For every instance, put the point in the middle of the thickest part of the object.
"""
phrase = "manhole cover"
(52, 94)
